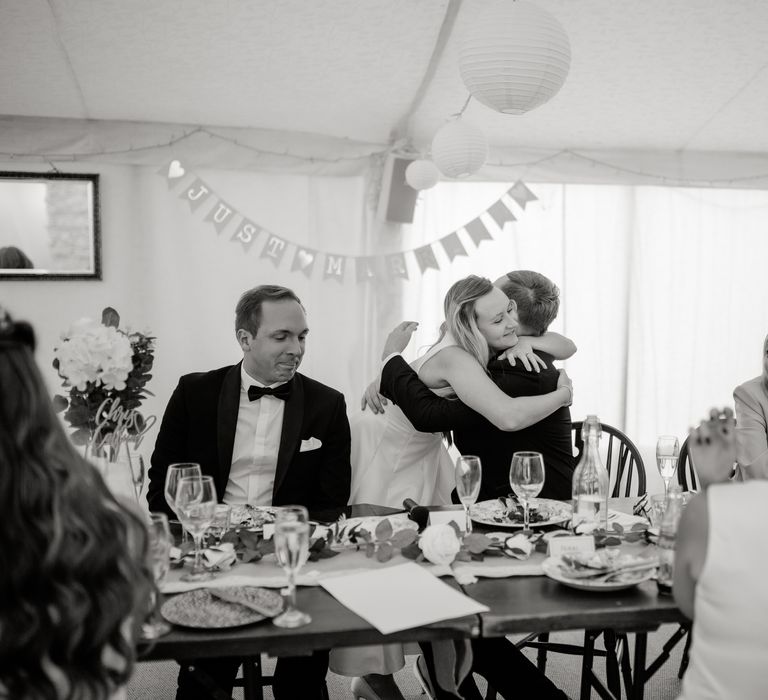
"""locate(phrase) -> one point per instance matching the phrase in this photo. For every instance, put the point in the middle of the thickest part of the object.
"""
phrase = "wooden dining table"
(517, 605)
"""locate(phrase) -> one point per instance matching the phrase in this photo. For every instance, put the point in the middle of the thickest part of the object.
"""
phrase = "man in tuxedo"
(268, 436)
(538, 301)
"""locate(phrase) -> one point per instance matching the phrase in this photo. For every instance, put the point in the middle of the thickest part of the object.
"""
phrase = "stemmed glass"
(468, 476)
(292, 549)
(159, 535)
(526, 477)
(667, 454)
(196, 506)
(175, 472)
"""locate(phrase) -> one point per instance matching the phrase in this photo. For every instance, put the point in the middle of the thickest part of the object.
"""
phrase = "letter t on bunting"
(274, 249)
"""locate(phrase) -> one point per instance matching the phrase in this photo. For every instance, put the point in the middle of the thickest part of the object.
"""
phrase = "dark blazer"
(475, 435)
(199, 426)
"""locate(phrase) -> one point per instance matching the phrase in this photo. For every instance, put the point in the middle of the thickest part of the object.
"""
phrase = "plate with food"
(251, 517)
(214, 608)
(601, 571)
(507, 512)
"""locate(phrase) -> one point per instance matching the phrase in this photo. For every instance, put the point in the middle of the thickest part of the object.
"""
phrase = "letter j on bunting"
(196, 194)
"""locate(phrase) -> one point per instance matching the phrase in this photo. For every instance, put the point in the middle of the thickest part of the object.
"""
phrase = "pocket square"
(312, 444)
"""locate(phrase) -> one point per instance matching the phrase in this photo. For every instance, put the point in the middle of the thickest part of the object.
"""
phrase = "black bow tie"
(279, 392)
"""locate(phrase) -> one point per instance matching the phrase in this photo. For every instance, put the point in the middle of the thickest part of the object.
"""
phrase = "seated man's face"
(275, 352)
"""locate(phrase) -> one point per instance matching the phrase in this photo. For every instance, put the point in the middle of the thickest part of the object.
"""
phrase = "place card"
(571, 544)
(400, 597)
(448, 514)
(268, 529)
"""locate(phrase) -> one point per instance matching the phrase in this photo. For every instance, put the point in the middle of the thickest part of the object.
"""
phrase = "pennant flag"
(173, 172)
(220, 215)
(478, 231)
(274, 249)
(304, 260)
(521, 194)
(334, 266)
(246, 233)
(425, 256)
(396, 266)
(453, 246)
(501, 213)
(196, 193)
(365, 269)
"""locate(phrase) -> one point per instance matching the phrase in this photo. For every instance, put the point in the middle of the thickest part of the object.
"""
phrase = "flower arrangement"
(106, 370)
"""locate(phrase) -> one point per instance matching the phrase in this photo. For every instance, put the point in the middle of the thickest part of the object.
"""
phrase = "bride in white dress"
(392, 461)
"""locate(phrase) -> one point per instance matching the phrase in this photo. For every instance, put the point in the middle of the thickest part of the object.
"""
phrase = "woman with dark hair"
(74, 578)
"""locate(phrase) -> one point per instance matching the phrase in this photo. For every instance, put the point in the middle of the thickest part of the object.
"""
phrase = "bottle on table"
(590, 482)
(667, 535)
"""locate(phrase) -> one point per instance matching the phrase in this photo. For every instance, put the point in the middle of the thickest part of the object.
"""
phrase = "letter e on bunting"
(274, 249)
(196, 193)
(246, 233)
(304, 260)
(220, 215)
(478, 231)
(396, 266)
(334, 267)
(365, 269)
(453, 246)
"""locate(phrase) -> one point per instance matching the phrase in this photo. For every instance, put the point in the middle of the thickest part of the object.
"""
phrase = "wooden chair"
(627, 475)
(686, 473)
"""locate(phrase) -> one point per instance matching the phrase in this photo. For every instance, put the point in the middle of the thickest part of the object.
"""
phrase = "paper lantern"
(459, 149)
(422, 174)
(514, 57)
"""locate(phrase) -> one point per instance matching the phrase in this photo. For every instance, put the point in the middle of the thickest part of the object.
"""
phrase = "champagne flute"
(667, 454)
(468, 476)
(526, 477)
(159, 535)
(175, 472)
(196, 506)
(292, 550)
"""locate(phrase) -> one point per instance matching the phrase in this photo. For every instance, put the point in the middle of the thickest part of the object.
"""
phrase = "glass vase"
(115, 465)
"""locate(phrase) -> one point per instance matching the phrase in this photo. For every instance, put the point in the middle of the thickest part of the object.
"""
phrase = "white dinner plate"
(552, 569)
(544, 512)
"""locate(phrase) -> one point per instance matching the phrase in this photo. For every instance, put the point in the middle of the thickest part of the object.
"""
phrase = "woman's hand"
(712, 447)
(565, 381)
(373, 399)
(523, 351)
(399, 338)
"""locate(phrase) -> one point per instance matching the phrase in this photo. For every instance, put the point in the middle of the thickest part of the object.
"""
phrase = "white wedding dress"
(392, 461)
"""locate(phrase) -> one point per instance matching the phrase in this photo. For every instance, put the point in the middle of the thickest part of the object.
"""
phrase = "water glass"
(291, 550)
(159, 536)
(175, 472)
(656, 504)
(667, 454)
(469, 474)
(196, 505)
(526, 477)
(221, 523)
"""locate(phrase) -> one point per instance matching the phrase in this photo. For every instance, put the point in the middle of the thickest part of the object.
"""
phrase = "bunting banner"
(393, 266)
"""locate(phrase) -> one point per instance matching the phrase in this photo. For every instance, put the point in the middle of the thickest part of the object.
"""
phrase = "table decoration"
(105, 370)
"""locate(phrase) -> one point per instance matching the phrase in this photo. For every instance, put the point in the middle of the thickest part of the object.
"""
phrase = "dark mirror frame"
(94, 232)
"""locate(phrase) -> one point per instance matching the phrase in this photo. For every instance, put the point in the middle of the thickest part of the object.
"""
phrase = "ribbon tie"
(279, 392)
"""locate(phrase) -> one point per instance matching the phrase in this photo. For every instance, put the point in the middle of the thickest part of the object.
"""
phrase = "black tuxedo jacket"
(199, 426)
(475, 435)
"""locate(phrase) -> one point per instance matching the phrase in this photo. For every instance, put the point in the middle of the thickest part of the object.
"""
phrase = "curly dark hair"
(74, 574)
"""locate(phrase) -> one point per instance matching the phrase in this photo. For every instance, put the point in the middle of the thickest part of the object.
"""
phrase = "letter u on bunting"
(220, 215)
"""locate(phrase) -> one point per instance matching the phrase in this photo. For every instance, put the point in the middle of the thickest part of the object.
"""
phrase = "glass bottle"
(590, 482)
(667, 535)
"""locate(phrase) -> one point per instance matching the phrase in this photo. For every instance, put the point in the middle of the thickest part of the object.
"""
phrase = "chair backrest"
(620, 456)
(686, 473)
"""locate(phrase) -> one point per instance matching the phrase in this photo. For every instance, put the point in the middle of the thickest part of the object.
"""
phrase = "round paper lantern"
(459, 149)
(514, 57)
(422, 174)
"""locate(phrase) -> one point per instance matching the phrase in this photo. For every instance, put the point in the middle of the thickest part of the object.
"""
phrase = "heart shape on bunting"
(175, 170)
(305, 258)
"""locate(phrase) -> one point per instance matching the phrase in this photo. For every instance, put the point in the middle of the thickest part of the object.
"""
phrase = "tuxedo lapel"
(229, 405)
(293, 418)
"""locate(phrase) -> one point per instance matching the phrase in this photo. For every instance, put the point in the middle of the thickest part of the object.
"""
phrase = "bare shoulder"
(450, 357)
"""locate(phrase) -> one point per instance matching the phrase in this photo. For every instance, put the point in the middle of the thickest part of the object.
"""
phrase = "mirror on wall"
(49, 226)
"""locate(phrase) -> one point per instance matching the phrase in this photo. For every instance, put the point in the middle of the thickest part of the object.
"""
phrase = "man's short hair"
(537, 298)
(248, 309)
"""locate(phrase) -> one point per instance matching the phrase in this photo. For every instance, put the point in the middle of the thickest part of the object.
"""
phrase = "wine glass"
(291, 550)
(667, 454)
(175, 472)
(468, 475)
(159, 536)
(196, 506)
(526, 477)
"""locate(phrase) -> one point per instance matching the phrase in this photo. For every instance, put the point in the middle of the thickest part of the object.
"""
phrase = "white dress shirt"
(257, 441)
